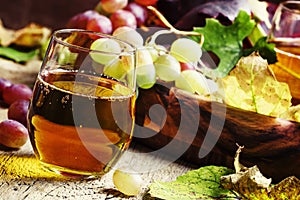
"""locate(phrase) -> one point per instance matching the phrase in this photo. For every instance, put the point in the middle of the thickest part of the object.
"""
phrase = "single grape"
(146, 2)
(111, 6)
(186, 50)
(107, 50)
(80, 20)
(99, 23)
(4, 83)
(67, 56)
(128, 184)
(138, 11)
(129, 35)
(123, 18)
(115, 70)
(167, 67)
(192, 81)
(18, 111)
(145, 71)
(13, 134)
(145, 76)
(16, 92)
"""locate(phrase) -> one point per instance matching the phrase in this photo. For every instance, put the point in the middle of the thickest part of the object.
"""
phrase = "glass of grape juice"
(81, 115)
(285, 34)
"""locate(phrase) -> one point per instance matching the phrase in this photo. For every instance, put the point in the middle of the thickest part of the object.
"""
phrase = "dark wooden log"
(271, 144)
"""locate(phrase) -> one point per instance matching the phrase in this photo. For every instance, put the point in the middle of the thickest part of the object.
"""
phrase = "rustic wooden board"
(21, 176)
(271, 144)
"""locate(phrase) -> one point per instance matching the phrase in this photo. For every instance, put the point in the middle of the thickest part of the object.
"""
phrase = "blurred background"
(52, 13)
(55, 13)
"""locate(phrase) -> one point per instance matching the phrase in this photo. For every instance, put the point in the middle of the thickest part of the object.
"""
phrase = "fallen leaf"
(250, 183)
(252, 86)
(203, 183)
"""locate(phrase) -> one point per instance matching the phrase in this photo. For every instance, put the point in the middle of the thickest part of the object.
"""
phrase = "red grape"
(146, 2)
(100, 23)
(123, 18)
(186, 66)
(18, 111)
(16, 92)
(81, 19)
(13, 134)
(111, 6)
(138, 11)
(3, 84)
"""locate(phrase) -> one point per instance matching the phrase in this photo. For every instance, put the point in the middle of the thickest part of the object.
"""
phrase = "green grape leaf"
(226, 41)
(251, 86)
(266, 50)
(17, 56)
(203, 183)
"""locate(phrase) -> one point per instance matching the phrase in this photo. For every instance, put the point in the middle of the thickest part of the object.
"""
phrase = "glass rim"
(286, 6)
(125, 51)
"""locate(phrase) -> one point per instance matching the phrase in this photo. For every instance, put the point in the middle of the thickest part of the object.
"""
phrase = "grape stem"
(172, 28)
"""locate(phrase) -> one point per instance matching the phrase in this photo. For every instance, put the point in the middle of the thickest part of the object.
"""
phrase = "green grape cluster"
(155, 62)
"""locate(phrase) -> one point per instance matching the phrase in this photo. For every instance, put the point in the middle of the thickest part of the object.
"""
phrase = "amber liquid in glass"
(287, 69)
(80, 124)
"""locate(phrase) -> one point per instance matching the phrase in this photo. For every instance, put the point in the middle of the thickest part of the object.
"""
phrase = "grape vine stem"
(172, 28)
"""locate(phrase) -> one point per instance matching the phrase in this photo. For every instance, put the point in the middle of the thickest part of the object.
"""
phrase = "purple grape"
(16, 92)
(3, 84)
(80, 20)
(138, 11)
(123, 18)
(13, 134)
(18, 111)
(99, 23)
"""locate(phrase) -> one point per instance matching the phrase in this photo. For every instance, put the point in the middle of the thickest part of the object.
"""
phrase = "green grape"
(192, 81)
(167, 67)
(128, 184)
(156, 51)
(115, 69)
(129, 35)
(66, 57)
(146, 75)
(106, 50)
(186, 50)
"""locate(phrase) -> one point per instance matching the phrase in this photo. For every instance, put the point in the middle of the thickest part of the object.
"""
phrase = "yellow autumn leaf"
(252, 86)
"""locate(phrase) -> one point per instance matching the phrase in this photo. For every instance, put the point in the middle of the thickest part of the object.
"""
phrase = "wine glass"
(285, 34)
(81, 115)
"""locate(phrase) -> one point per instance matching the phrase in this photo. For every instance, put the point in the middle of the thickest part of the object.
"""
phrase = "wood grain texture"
(272, 144)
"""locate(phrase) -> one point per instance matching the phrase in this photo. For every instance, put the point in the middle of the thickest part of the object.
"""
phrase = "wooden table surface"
(21, 176)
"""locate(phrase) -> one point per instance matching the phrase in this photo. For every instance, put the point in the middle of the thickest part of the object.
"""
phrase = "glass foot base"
(74, 174)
